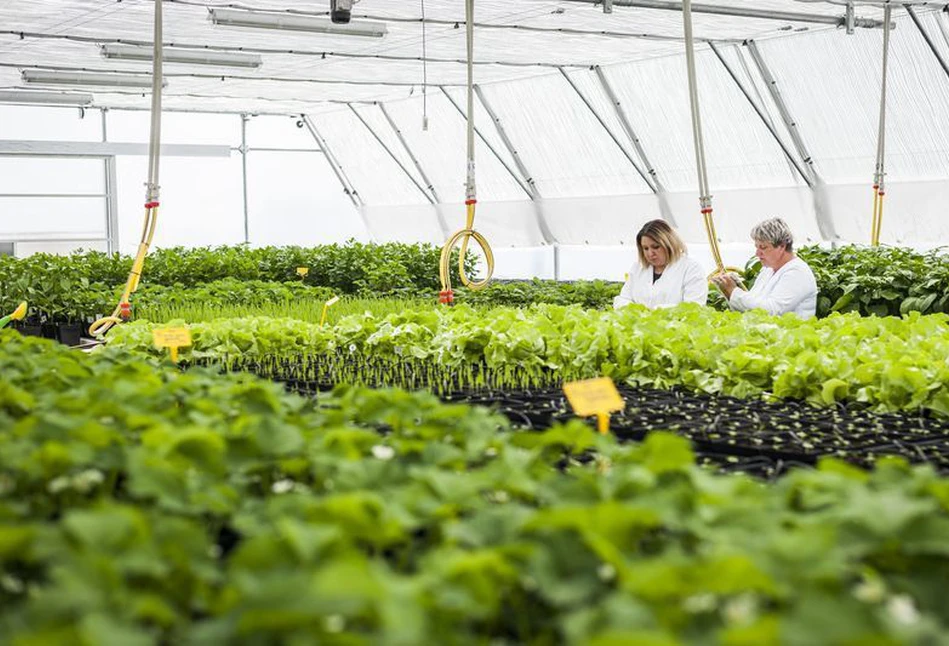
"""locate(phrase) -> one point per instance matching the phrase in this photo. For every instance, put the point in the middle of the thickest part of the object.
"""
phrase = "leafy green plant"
(874, 281)
(142, 504)
(884, 363)
(82, 286)
(597, 294)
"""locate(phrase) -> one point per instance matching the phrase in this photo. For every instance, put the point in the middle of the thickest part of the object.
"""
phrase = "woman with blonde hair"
(665, 276)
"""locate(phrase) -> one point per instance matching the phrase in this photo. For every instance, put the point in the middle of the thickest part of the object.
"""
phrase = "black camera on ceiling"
(341, 11)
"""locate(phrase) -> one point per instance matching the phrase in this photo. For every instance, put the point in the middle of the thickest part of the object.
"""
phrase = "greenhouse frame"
(409, 322)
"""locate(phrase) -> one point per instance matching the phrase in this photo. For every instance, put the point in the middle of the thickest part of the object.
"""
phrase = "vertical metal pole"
(609, 131)
(764, 118)
(111, 199)
(927, 38)
(824, 223)
(545, 232)
(244, 119)
(487, 143)
(391, 154)
(348, 187)
(418, 166)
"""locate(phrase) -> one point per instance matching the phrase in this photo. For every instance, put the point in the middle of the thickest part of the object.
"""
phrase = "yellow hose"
(720, 267)
(122, 310)
(464, 236)
(877, 223)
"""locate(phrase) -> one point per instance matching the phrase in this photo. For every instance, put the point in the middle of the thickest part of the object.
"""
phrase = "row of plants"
(884, 281)
(881, 281)
(887, 364)
(81, 286)
(140, 504)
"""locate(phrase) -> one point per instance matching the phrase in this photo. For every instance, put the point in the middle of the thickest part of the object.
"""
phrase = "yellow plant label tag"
(303, 271)
(594, 397)
(172, 338)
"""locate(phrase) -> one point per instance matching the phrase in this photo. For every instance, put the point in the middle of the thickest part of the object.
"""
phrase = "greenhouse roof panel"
(305, 70)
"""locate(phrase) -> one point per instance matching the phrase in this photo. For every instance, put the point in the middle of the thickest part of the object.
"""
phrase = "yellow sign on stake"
(595, 397)
(303, 271)
(172, 338)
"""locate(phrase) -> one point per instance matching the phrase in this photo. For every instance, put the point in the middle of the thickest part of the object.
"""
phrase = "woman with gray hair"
(785, 284)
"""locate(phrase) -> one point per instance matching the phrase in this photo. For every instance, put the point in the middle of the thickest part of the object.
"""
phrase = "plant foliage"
(888, 364)
(143, 505)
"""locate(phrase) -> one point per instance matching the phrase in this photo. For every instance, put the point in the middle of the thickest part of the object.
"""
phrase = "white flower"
(606, 572)
(491, 452)
(870, 591)
(741, 610)
(499, 496)
(11, 584)
(282, 486)
(902, 609)
(383, 452)
(334, 623)
(700, 603)
(56, 485)
(87, 480)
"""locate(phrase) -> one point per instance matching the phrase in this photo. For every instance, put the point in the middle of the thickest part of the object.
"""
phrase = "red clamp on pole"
(125, 310)
(446, 297)
(470, 202)
(151, 205)
(706, 211)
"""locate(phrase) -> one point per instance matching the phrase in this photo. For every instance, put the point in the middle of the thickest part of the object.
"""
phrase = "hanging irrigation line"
(879, 175)
(464, 236)
(705, 197)
(123, 310)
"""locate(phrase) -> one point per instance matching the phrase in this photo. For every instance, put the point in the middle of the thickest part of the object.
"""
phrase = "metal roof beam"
(545, 231)
(442, 223)
(929, 41)
(744, 12)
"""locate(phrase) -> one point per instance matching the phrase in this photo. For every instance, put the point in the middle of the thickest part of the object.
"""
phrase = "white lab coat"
(792, 288)
(682, 281)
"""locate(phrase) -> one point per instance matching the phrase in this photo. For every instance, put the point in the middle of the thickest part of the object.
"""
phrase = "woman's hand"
(725, 283)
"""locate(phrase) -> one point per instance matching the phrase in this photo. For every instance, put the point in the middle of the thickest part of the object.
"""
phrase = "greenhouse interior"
(407, 322)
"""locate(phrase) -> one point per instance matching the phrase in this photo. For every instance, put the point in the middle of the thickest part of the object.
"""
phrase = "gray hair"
(775, 232)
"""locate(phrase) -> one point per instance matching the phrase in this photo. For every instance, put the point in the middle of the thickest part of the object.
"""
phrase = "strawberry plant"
(143, 504)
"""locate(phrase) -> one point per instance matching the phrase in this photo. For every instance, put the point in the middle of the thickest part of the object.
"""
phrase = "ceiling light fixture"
(100, 79)
(49, 98)
(295, 22)
(175, 55)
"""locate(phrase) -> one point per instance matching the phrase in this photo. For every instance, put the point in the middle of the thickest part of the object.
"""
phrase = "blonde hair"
(668, 239)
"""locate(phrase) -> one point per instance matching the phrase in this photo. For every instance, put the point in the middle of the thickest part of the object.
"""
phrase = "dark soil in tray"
(729, 434)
